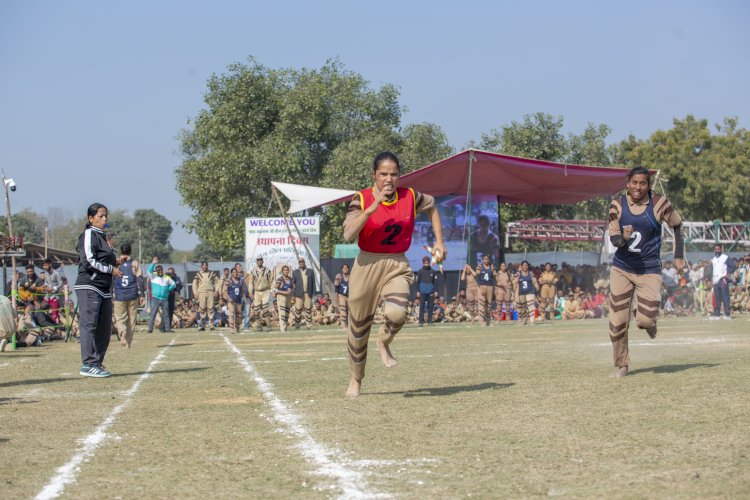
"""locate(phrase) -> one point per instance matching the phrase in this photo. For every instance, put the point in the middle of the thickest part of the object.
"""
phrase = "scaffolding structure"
(728, 234)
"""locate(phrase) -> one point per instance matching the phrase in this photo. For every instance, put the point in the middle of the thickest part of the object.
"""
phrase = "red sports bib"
(389, 229)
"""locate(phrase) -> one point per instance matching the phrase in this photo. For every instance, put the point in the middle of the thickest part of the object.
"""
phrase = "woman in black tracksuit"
(97, 265)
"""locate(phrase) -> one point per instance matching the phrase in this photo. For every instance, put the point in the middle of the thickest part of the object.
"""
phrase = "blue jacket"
(160, 285)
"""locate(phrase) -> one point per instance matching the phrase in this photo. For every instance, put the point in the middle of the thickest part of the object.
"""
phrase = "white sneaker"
(3, 343)
(714, 318)
(726, 317)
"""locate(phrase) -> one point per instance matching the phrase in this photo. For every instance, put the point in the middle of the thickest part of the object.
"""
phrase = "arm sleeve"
(615, 234)
(423, 202)
(354, 210)
(88, 249)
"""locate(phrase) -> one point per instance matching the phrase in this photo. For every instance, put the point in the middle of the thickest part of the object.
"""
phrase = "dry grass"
(483, 412)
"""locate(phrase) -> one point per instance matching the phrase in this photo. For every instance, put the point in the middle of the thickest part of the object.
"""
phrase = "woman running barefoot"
(635, 229)
(383, 219)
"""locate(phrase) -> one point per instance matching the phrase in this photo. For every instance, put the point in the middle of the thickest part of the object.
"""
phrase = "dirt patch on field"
(234, 401)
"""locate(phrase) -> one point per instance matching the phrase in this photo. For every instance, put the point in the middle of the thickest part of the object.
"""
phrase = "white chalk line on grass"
(351, 481)
(673, 342)
(66, 474)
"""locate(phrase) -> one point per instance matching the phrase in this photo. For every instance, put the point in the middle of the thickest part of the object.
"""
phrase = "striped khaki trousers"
(374, 275)
(622, 287)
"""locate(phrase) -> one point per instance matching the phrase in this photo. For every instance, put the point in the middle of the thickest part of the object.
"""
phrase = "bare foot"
(621, 372)
(385, 354)
(353, 390)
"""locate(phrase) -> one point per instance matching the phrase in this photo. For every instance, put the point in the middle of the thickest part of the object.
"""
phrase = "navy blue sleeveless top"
(343, 287)
(234, 291)
(285, 285)
(486, 276)
(641, 255)
(525, 284)
(126, 286)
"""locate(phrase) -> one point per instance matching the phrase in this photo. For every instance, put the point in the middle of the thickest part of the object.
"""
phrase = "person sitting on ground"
(573, 308)
(560, 301)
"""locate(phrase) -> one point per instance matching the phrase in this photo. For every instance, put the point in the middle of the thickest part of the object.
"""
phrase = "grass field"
(468, 412)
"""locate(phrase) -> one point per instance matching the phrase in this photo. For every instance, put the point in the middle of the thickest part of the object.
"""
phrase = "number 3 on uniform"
(633, 247)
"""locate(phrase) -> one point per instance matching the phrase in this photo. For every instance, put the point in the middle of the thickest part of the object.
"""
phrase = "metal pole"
(14, 281)
(469, 259)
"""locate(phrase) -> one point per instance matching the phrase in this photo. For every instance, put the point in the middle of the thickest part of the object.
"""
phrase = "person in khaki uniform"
(284, 286)
(635, 230)
(221, 285)
(341, 284)
(304, 288)
(472, 291)
(259, 285)
(204, 288)
(127, 296)
(573, 308)
(503, 287)
(548, 281)
(234, 292)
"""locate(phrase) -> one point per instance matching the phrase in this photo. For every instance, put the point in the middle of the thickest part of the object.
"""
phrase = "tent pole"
(286, 220)
(468, 204)
(324, 279)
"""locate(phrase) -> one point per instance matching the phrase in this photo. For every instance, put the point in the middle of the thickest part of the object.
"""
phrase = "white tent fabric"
(304, 197)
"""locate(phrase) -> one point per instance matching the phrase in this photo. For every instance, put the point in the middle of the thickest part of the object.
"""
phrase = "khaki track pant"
(261, 308)
(234, 313)
(485, 302)
(525, 306)
(206, 307)
(374, 275)
(343, 301)
(126, 315)
(547, 298)
(284, 303)
(472, 294)
(623, 285)
(302, 308)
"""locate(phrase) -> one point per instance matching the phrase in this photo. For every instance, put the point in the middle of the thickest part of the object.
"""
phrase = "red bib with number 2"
(389, 229)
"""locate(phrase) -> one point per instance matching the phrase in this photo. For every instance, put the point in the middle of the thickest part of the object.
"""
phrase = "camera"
(11, 184)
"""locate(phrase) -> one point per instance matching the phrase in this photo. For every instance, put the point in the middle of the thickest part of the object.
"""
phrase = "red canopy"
(516, 180)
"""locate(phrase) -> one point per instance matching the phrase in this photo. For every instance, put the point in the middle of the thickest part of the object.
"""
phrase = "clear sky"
(93, 94)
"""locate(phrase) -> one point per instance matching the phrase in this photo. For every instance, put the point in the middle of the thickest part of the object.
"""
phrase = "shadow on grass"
(448, 391)
(672, 368)
(4, 440)
(15, 401)
(174, 345)
(79, 378)
(21, 355)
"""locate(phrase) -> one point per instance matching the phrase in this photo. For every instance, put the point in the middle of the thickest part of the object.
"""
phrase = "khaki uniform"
(624, 285)
(204, 288)
(126, 313)
(343, 300)
(472, 294)
(259, 285)
(547, 280)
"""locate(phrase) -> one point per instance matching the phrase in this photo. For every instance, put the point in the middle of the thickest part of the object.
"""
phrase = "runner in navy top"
(635, 220)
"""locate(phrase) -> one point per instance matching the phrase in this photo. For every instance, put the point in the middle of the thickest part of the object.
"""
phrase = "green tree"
(147, 226)
(315, 127)
(706, 176)
(540, 136)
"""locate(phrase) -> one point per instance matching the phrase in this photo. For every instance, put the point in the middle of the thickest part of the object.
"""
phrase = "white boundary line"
(66, 474)
(351, 482)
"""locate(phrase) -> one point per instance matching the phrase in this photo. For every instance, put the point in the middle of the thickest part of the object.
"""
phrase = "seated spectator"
(682, 301)
(29, 286)
(572, 308)
(560, 301)
(599, 301)
(587, 305)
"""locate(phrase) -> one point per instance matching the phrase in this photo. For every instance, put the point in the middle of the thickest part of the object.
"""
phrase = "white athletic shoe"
(726, 317)
(714, 318)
